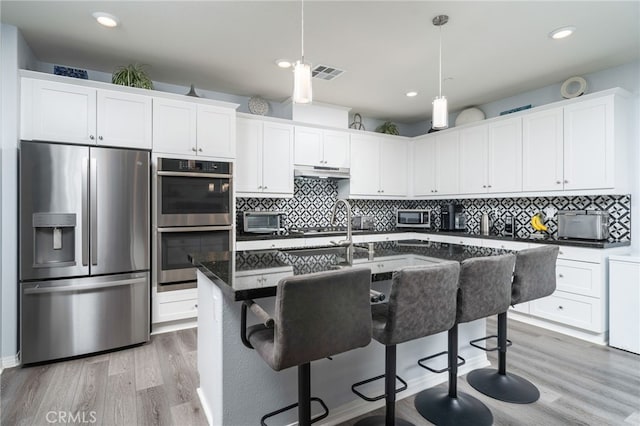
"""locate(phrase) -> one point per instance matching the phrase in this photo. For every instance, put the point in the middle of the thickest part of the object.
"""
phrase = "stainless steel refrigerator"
(84, 249)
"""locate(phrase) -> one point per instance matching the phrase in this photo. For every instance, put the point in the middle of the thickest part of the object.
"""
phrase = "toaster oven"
(583, 224)
(262, 222)
(413, 218)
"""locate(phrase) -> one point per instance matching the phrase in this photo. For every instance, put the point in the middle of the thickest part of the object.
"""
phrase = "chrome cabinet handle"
(193, 149)
(489, 186)
(93, 210)
(100, 137)
(484, 186)
(558, 182)
(200, 149)
(85, 211)
(560, 307)
(566, 181)
(92, 137)
(560, 276)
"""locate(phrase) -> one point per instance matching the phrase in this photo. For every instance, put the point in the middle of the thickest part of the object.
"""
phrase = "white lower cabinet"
(571, 309)
(266, 278)
(175, 305)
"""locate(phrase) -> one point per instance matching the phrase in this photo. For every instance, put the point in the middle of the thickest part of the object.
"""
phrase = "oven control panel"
(194, 166)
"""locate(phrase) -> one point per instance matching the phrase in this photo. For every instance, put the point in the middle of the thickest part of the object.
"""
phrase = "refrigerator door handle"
(84, 212)
(95, 286)
(93, 188)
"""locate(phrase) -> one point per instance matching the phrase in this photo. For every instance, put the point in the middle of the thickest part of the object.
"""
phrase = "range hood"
(321, 172)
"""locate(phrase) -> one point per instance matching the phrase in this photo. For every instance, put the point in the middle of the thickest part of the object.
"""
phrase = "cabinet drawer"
(579, 253)
(579, 278)
(270, 244)
(177, 310)
(571, 309)
(506, 245)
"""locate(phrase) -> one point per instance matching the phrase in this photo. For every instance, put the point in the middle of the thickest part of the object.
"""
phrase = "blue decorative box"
(70, 72)
(509, 111)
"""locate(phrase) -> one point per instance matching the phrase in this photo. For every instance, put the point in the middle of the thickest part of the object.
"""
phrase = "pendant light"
(440, 116)
(302, 72)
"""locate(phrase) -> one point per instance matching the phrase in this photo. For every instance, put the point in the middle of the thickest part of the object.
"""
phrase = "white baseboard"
(359, 407)
(205, 406)
(597, 338)
(10, 361)
(166, 327)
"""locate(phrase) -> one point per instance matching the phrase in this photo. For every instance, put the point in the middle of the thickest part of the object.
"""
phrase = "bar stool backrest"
(485, 286)
(322, 314)
(422, 302)
(535, 274)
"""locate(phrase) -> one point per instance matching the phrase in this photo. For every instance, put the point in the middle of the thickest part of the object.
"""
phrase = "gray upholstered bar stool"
(316, 316)
(484, 289)
(422, 302)
(534, 277)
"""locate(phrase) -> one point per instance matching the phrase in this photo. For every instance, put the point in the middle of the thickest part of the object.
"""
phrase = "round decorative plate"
(258, 106)
(568, 89)
(469, 115)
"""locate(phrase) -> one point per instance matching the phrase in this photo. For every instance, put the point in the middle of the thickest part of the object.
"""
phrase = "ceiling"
(491, 50)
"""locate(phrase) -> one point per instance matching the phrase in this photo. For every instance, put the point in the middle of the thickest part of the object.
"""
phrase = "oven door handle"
(195, 175)
(196, 228)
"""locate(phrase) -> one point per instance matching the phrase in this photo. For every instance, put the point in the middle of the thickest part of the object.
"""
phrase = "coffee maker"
(452, 217)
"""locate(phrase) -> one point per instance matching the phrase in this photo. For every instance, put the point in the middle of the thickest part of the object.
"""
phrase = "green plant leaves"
(132, 75)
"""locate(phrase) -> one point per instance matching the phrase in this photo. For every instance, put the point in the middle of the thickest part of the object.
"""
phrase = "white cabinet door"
(174, 127)
(248, 166)
(365, 165)
(336, 148)
(473, 160)
(308, 146)
(424, 166)
(215, 132)
(63, 113)
(589, 144)
(394, 178)
(447, 156)
(277, 159)
(124, 119)
(542, 157)
(505, 156)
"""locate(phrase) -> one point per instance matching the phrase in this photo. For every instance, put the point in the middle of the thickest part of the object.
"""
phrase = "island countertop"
(243, 275)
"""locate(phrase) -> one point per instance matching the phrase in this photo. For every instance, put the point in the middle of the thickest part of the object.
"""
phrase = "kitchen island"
(238, 388)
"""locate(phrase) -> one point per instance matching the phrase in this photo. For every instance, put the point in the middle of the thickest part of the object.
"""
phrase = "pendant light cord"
(302, 31)
(440, 63)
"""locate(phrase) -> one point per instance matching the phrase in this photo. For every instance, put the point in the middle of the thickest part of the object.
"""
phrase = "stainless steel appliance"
(84, 249)
(193, 215)
(262, 222)
(485, 224)
(452, 217)
(363, 223)
(583, 224)
(509, 226)
(413, 218)
(193, 192)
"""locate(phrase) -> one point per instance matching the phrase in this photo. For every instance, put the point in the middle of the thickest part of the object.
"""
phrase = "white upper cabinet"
(264, 167)
(323, 148)
(474, 149)
(505, 156)
(378, 167)
(187, 128)
(61, 112)
(542, 151)
(589, 147)
(447, 163)
(436, 164)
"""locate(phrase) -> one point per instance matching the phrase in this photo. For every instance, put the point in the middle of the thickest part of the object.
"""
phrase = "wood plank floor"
(155, 384)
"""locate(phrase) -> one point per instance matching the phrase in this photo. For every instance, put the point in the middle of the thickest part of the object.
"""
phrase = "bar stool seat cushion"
(316, 316)
(485, 293)
(421, 303)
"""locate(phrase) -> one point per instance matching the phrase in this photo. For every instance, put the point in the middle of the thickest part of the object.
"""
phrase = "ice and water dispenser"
(54, 236)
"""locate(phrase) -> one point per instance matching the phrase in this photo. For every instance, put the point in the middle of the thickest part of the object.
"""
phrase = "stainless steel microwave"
(413, 218)
(262, 222)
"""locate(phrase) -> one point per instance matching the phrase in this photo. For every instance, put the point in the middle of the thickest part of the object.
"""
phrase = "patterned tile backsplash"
(313, 199)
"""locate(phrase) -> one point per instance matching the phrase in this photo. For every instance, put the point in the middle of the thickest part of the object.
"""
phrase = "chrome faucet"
(349, 241)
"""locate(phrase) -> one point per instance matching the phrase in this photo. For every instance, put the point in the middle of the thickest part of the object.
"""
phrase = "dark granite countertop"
(598, 244)
(231, 276)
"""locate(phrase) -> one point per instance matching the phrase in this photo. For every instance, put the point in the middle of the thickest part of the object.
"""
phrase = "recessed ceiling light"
(412, 94)
(562, 32)
(106, 19)
(283, 63)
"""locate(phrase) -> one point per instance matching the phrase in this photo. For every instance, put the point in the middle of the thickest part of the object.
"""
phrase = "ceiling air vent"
(324, 72)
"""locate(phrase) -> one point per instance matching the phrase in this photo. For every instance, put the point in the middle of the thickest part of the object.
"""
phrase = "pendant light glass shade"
(440, 113)
(302, 93)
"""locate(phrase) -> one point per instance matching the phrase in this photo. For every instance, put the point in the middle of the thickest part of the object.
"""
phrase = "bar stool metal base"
(503, 387)
(439, 408)
(381, 421)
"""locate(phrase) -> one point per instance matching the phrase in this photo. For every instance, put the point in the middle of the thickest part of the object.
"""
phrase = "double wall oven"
(193, 214)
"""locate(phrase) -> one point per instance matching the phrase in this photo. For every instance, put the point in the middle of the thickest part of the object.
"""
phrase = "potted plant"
(132, 75)
(388, 127)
